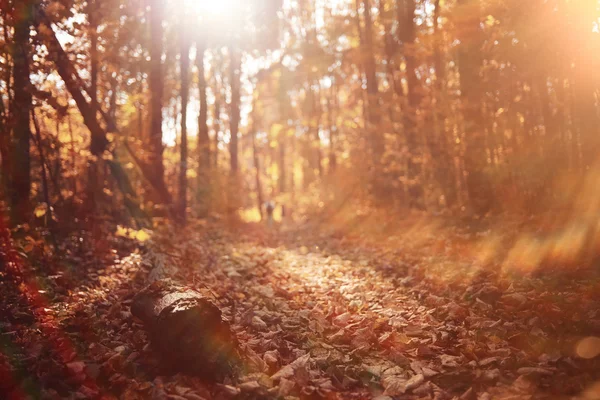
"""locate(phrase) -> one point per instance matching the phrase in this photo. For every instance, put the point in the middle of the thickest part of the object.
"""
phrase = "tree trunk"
(440, 147)
(316, 144)
(21, 110)
(73, 152)
(407, 34)
(156, 84)
(282, 142)
(216, 129)
(70, 77)
(332, 129)
(310, 149)
(72, 82)
(563, 120)
(470, 59)
(185, 91)
(4, 151)
(204, 162)
(98, 142)
(203, 138)
(235, 74)
(391, 66)
(5, 131)
(582, 17)
(45, 190)
(373, 106)
(587, 121)
(217, 89)
(259, 195)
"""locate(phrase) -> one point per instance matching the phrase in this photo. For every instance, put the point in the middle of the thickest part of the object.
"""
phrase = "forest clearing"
(300, 199)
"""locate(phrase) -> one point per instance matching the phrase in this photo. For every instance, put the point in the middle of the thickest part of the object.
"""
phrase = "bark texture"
(187, 329)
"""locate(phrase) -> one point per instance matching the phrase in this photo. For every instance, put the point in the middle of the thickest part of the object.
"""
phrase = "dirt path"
(318, 315)
(366, 321)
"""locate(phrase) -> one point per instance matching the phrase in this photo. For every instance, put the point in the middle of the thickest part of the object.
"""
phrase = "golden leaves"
(41, 210)
(141, 235)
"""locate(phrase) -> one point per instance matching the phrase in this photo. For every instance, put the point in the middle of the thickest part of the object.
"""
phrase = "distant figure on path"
(270, 207)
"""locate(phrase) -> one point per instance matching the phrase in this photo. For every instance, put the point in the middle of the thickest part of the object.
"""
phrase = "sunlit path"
(373, 330)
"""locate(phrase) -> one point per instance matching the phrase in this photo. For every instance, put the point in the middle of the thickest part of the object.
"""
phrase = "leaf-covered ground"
(319, 313)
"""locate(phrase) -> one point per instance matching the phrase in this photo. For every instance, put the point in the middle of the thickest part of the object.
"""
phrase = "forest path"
(322, 313)
(319, 313)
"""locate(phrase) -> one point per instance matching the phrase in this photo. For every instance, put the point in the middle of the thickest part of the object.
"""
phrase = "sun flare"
(210, 8)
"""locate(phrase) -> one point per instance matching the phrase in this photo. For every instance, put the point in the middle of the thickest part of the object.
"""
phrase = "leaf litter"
(316, 317)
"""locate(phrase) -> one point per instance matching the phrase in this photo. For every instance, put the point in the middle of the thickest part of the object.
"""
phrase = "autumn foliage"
(381, 199)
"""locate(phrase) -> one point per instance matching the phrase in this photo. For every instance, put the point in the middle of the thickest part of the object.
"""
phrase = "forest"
(300, 199)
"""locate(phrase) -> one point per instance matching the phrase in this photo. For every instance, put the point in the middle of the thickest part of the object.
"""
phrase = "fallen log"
(187, 330)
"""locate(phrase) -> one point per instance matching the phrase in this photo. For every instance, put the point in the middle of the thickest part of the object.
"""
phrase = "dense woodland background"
(177, 108)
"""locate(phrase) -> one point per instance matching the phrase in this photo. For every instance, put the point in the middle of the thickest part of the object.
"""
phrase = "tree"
(21, 110)
(407, 35)
(98, 142)
(440, 144)
(374, 118)
(155, 166)
(5, 129)
(410, 102)
(75, 88)
(204, 153)
(235, 65)
(185, 91)
(470, 58)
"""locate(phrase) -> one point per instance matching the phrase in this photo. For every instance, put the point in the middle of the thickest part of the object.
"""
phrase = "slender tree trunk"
(407, 34)
(203, 138)
(562, 120)
(216, 129)
(235, 59)
(259, 195)
(185, 91)
(156, 84)
(204, 162)
(57, 174)
(395, 93)
(98, 140)
(375, 135)
(73, 152)
(440, 147)
(21, 111)
(583, 17)
(282, 161)
(5, 128)
(332, 128)
(317, 140)
(235, 74)
(4, 151)
(588, 121)
(52, 170)
(576, 123)
(217, 89)
(45, 190)
(470, 59)
(310, 146)
(552, 139)
(390, 48)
